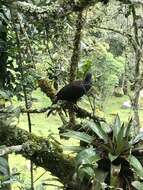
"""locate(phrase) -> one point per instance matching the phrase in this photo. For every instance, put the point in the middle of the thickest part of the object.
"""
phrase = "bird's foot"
(53, 108)
(74, 107)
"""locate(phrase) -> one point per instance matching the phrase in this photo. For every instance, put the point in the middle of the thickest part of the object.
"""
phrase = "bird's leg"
(64, 109)
(53, 108)
(72, 119)
(75, 107)
(63, 106)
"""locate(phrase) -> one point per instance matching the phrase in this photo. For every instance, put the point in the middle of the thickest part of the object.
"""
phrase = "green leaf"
(87, 156)
(72, 148)
(98, 130)
(138, 138)
(135, 163)
(79, 136)
(100, 177)
(121, 141)
(3, 166)
(3, 162)
(116, 126)
(85, 171)
(112, 157)
(4, 95)
(3, 170)
(138, 185)
(128, 129)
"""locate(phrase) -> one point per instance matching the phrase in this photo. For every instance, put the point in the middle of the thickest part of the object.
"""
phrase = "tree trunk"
(75, 59)
(135, 106)
(137, 88)
(137, 46)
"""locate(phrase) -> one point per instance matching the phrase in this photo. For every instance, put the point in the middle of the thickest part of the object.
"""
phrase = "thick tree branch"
(46, 88)
(76, 47)
(54, 10)
(42, 152)
(75, 58)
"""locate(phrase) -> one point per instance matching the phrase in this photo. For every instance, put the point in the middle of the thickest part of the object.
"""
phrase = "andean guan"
(74, 91)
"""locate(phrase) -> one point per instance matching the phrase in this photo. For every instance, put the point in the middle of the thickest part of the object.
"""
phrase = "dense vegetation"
(94, 144)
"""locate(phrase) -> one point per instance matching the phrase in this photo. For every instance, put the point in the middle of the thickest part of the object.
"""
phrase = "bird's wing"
(71, 91)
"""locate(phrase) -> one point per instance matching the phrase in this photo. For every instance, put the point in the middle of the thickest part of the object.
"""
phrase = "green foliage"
(3, 167)
(116, 44)
(107, 69)
(78, 135)
(138, 185)
(86, 162)
(136, 165)
(113, 144)
(4, 171)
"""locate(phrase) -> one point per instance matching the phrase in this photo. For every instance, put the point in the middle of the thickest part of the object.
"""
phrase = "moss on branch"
(40, 150)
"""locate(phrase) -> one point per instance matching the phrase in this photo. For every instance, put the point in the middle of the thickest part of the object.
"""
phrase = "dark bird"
(75, 90)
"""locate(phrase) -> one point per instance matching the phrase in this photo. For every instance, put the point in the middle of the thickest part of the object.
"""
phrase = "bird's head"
(88, 78)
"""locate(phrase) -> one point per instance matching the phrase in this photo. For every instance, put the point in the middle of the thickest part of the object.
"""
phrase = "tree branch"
(54, 10)
(122, 33)
(43, 152)
(11, 149)
(76, 47)
(137, 2)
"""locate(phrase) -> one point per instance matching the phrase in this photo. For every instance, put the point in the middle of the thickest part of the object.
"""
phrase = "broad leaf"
(135, 163)
(3, 170)
(138, 138)
(121, 141)
(3, 166)
(100, 177)
(72, 148)
(3, 162)
(86, 171)
(128, 129)
(116, 126)
(87, 156)
(112, 157)
(98, 130)
(138, 185)
(79, 136)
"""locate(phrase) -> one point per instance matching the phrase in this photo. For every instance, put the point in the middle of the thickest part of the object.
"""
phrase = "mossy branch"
(53, 10)
(46, 88)
(41, 151)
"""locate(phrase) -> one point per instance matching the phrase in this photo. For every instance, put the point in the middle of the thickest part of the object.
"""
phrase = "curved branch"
(129, 37)
(43, 152)
(55, 10)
